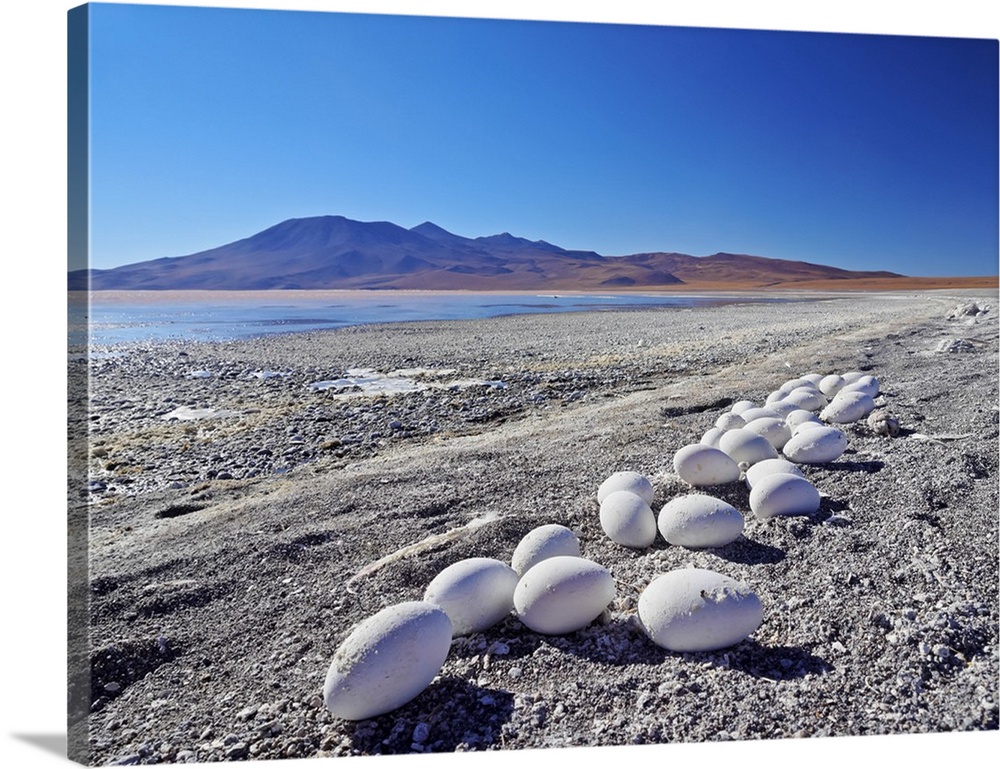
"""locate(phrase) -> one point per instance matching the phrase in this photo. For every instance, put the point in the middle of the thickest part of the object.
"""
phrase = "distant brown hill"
(333, 252)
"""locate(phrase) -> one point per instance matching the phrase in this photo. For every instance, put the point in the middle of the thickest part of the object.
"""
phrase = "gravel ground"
(221, 546)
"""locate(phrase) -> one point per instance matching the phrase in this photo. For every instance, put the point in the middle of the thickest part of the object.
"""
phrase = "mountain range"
(333, 252)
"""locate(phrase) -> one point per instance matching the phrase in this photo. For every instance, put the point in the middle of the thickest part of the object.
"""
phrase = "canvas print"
(455, 385)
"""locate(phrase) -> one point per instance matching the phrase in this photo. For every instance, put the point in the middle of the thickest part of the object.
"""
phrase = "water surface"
(150, 316)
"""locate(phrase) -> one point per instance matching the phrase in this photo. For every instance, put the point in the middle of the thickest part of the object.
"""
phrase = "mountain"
(333, 252)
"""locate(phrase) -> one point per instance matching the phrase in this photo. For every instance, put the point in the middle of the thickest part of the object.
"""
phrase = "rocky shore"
(251, 501)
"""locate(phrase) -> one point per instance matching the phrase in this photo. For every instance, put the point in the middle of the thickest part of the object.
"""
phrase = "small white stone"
(831, 384)
(865, 383)
(813, 379)
(797, 417)
(791, 384)
(782, 408)
(807, 398)
(759, 411)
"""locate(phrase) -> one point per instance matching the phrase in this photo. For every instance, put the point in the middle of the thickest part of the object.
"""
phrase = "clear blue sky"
(859, 151)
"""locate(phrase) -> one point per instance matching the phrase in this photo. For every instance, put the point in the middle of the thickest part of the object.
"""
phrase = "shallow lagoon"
(146, 316)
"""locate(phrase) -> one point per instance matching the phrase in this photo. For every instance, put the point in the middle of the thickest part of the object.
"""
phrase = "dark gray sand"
(226, 550)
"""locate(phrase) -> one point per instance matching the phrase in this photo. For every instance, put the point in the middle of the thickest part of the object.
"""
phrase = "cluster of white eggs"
(765, 445)
(391, 657)
(798, 424)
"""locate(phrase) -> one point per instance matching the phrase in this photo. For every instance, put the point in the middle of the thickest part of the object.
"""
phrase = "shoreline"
(414, 306)
(243, 577)
(831, 287)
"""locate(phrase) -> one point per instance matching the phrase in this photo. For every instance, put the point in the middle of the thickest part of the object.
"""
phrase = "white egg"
(848, 406)
(628, 520)
(815, 445)
(701, 465)
(729, 421)
(865, 383)
(740, 406)
(711, 437)
(807, 425)
(831, 384)
(475, 593)
(774, 430)
(745, 446)
(806, 398)
(774, 396)
(544, 542)
(770, 467)
(387, 660)
(781, 409)
(790, 384)
(757, 412)
(851, 376)
(813, 379)
(799, 416)
(698, 520)
(627, 480)
(563, 594)
(696, 610)
(783, 494)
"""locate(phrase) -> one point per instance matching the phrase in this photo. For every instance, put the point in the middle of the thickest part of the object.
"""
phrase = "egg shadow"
(450, 713)
(749, 551)
(508, 639)
(624, 644)
(828, 508)
(775, 663)
(870, 466)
